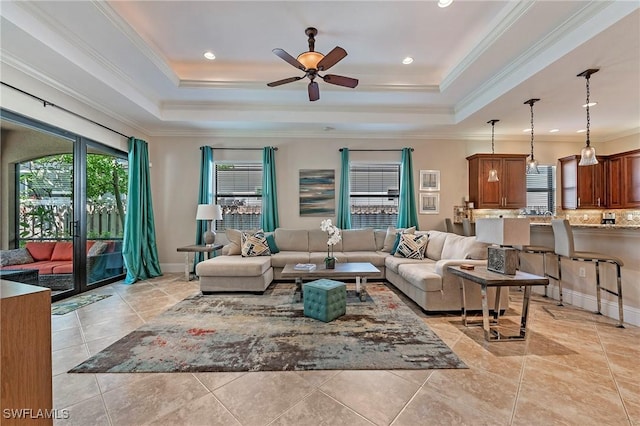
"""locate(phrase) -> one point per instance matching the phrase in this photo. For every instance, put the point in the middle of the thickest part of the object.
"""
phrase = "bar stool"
(543, 250)
(466, 228)
(449, 225)
(564, 247)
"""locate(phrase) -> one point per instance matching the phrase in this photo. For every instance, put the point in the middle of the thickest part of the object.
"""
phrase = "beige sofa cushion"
(292, 239)
(421, 275)
(358, 240)
(380, 235)
(235, 242)
(392, 262)
(234, 266)
(318, 241)
(436, 243)
(459, 247)
(278, 260)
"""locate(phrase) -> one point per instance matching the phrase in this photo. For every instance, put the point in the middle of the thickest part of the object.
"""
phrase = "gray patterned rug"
(270, 333)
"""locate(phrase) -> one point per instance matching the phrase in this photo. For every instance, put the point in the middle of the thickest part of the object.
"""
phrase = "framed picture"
(317, 192)
(429, 203)
(429, 180)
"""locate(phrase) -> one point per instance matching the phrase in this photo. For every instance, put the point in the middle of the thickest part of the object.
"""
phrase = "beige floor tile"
(213, 381)
(65, 359)
(88, 412)
(377, 395)
(505, 362)
(320, 409)
(111, 381)
(259, 398)
(151, 398)
(118, 325)
(416, 376)
(205, 410)
(101, 315)
(63, 322)
(153, 302)
(630, 392)
(70, 389)
(65, 338)
(97, 345)
(317, 377)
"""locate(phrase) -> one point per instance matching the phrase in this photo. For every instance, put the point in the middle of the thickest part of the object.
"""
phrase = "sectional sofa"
(426, 281)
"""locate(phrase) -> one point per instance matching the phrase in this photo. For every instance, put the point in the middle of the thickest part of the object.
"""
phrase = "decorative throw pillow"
(390, 240)
(235, 241)
(255, 244)
(271, 241)
(412, 246)
(15, 257)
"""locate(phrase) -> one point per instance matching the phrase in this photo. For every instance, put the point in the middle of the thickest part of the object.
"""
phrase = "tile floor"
(576, 369)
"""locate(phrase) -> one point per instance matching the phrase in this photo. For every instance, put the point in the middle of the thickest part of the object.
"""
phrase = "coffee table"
(358, 270)
(481, 276)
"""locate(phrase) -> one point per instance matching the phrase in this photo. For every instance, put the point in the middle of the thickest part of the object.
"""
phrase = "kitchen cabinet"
(612, 183)
(510, 192)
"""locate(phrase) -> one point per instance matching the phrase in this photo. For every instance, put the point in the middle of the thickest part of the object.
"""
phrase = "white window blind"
(541, 191)
(374, 190)
(239, 192)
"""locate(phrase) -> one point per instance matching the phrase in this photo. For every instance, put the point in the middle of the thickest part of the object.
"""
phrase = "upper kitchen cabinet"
(510, 192)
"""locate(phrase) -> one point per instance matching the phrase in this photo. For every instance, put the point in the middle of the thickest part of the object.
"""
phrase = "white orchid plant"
(334, 235)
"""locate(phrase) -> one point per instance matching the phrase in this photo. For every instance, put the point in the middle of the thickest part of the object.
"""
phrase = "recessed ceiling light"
(581, 131)
(590, 104)
(526, 130)
(554, 130)
(444, 3)
(407, 60)
(209, 55)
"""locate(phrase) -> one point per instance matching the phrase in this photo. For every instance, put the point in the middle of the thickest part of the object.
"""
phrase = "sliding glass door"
(63, 206)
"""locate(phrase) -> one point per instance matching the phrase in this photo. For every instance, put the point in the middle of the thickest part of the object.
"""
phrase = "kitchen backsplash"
(585, 217)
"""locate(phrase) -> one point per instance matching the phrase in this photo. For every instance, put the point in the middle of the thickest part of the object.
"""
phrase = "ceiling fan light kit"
(311, 62)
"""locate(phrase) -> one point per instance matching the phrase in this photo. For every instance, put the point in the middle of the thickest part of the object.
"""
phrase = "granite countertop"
(592, 225)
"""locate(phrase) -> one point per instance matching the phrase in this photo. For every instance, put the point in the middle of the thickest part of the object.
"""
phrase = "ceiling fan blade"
(332, 58)
(340, 80)
(314, 91)
(284, 81)
(288, 58)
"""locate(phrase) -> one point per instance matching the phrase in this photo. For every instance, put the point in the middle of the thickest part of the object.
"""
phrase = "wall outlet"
(585, 217)
(582, 273)
(629, 216)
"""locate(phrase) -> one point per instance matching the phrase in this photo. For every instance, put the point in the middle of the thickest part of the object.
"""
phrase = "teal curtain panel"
(269, 220)
(407, 211)
(343, 219)
(205, 196)
(139, 249)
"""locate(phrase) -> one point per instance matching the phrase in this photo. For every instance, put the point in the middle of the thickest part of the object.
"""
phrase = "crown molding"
(238, 84)
(508, 17)
(146, 47)
(582, 26)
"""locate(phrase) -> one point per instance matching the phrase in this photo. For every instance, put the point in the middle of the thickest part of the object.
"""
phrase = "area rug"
(270, 333)
(66, 306)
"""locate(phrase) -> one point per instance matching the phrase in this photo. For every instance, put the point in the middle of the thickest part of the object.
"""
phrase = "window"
(541, 191)
(374, 194)
(239, 192)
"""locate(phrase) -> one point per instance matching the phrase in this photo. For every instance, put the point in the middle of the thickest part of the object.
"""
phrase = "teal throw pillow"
(271, 242)
(396, 243)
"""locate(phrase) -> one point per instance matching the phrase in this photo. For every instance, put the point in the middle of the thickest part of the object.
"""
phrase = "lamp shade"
(209, 212)
(503, 231)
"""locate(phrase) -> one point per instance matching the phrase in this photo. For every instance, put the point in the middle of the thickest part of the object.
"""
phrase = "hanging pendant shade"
(532, 163)
(493, 173)
(588, 153)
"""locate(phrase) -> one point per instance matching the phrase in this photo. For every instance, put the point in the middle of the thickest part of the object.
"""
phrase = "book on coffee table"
(305, 267)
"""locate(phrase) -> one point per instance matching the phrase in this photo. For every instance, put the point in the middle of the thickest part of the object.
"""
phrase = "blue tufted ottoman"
(324, 300)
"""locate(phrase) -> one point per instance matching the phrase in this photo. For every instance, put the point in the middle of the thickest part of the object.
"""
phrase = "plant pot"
(330, 263)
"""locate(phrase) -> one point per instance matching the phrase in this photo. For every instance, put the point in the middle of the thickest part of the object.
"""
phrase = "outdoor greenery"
(46, 191)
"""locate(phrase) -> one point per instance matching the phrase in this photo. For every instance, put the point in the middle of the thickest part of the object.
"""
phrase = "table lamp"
(209, 212)
(503, 232)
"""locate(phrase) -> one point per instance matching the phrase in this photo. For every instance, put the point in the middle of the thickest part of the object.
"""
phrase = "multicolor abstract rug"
(66, 306)
(270, 333)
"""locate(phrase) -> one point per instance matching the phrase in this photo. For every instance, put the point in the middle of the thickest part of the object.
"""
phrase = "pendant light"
(588, 153)
(493, 173)
(532, 163)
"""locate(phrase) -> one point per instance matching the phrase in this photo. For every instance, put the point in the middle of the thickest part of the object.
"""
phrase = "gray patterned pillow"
(19, 256)
(412, 246)
(255, 244)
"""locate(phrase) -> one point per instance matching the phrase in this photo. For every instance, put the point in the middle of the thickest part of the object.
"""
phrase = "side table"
(480, 275)
(198, 248)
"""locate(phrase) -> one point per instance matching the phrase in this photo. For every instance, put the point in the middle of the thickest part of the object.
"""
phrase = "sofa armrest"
(441, 265)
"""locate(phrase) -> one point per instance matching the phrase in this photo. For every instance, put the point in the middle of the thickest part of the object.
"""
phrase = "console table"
(199, 248)
(480, 275)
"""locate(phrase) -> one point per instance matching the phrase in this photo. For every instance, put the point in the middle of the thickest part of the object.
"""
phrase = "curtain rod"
(244, 149)
(372, 150)
(46, 103)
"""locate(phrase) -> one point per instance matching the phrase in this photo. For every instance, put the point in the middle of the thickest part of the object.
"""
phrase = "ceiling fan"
(311, 63)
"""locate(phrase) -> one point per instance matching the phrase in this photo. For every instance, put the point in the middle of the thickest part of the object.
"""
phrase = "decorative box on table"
(505, 232)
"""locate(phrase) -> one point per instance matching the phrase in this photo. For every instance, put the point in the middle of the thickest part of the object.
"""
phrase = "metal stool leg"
(560, 281)
(620, 314)
(544, 270)
(598, 289)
